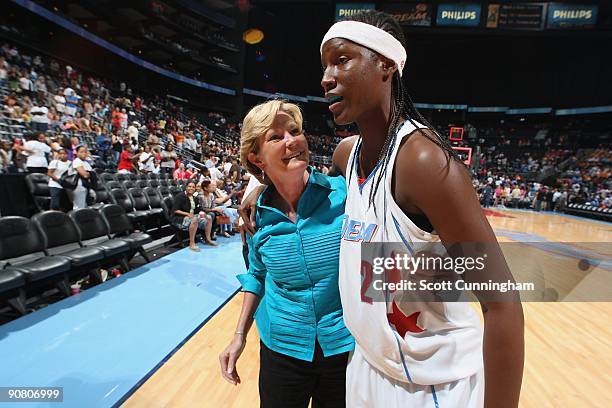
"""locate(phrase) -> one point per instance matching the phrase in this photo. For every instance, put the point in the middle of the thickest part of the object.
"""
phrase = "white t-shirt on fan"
(76, 163)
(37, 157)
(60, 168)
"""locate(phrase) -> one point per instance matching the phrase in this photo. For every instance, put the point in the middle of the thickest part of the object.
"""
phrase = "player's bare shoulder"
(341, 155)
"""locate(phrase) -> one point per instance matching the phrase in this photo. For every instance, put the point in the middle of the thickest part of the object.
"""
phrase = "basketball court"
(151, 338)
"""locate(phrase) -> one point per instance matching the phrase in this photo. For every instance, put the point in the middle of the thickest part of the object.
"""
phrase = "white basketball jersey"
(444, 340)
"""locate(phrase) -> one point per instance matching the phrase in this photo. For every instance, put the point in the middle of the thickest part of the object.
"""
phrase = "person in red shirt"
(126, 163)
(181, 173)
(116, 119)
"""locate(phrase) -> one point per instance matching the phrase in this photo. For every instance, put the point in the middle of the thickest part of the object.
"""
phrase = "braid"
(402, 106)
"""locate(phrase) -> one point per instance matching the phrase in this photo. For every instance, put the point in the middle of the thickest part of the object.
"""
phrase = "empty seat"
(154, 183)
(122, 198)
(38, 184)
(127, 184)
(132, 177)
(163, 183)
(175, 190)
(22, 247)
(106, 177)
(141, 203)
(121, 177)
(153, 176)
(114, 184)
(95, 233)
(12, 284)
(102, 196)
(154, 197)
(164, 191)
(143, 176)
(62, 238)
(142, 183)
(120, 226)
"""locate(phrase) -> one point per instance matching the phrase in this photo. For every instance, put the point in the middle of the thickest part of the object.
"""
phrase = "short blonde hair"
(257, 122)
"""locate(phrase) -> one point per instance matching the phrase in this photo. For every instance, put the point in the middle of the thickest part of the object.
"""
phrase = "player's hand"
(247, 209)
(229, 357)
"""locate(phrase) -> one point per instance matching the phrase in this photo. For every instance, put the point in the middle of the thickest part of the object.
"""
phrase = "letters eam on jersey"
(357, 231)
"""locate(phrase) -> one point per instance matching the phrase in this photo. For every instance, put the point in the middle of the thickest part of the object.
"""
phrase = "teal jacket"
(294, 269)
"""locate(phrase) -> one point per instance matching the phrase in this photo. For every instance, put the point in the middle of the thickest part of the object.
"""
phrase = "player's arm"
(341, 156)
(443, 191)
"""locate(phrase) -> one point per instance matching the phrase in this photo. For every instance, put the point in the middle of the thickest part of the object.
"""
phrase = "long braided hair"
(402, 106)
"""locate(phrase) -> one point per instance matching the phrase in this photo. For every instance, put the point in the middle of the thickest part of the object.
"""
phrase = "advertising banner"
(344, 10)
(410, 14)
(467, 15)
(571, 15)
(516, 16)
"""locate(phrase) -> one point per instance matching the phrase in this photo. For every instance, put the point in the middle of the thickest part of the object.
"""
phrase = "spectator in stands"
(3, 71)
(81, 166)
(132, 130)
(60, 101)
(227, 165)
(40, 119)
(116, 119)
(516, 196)
(181, 173)
(134, 144)
(153, 141)
(498, 193)
(5, 156)
(36, 150)
(549, 200)
(487, 195)
(556, 203)
(168, 159)
(124, 119)
(156, 166)
(57, 168)
(215, 173)
(540, 196)
(210, 204)
(186, 216)
(25, 83)
(191, 143)
(234, 171)
(146, 161)
(224, 202)
(117, 147)
(126, 161)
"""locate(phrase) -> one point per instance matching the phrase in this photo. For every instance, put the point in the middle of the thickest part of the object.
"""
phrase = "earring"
(263, 174)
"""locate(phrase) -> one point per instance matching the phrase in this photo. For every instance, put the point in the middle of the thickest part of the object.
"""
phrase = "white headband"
(371, 37)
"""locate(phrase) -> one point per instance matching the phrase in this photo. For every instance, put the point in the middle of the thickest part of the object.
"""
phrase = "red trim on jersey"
(361, 180)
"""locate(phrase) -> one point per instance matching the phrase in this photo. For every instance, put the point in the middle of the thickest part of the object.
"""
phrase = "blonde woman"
(291, 286)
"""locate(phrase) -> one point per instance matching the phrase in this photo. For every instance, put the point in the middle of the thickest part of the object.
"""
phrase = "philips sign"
(458, 15)
(346, 10)
(571, 15)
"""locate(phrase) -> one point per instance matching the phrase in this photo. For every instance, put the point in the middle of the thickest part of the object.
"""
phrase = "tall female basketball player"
(406, 180)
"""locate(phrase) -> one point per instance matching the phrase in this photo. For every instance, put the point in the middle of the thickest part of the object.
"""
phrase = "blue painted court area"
(102, 344)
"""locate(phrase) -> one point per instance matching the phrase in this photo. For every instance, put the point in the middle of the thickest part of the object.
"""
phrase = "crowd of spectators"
(583, 179)
(58, 121)
(60, 110)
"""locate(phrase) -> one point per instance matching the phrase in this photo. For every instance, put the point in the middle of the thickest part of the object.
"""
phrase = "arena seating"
(62, 239)
(590, 211)
(120, 226)
(22, 249)
(95, 232)
(38, 184)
